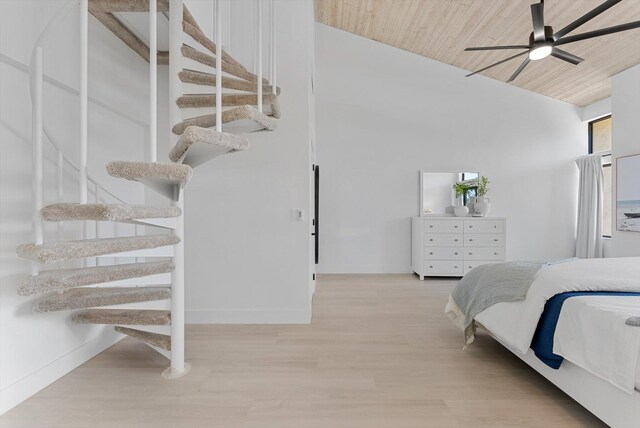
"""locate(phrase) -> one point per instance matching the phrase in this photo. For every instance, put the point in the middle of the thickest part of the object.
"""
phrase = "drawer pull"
(471, 254)
(470, 267)
(455, 254)
(495, 254)
(430, 267)
(431, 253)
(470, 240)
(455, 227)
(495, 226)
(495, 240)
(430, 239)
(455, 240)
(470, 226)
(431, 226)
(455, 267)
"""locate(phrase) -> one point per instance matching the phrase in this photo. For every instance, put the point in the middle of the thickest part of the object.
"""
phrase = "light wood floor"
(379, 353)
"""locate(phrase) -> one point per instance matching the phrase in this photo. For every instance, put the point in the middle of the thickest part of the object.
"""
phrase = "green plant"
(461, 188)
(482, 186)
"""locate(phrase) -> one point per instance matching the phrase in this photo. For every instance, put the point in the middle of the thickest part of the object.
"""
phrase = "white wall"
(383, 114)
(247, 261)
(625, 112)
(36, 349)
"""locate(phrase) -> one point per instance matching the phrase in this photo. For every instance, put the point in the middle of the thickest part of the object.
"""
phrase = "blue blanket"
(542, 343)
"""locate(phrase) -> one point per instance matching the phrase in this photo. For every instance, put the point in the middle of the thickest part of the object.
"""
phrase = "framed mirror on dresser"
(447, 245)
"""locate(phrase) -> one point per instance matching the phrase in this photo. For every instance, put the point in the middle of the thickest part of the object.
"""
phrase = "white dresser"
(452, 246)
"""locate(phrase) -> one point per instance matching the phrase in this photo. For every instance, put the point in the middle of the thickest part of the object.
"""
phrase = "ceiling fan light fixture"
(540, 51)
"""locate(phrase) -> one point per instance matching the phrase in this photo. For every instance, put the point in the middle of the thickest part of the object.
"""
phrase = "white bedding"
(515, 323)
(592, 334)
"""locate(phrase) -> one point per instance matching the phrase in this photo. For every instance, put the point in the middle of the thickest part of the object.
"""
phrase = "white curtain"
(590, 196)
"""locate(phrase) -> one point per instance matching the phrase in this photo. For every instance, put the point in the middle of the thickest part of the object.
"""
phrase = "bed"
(601, 367)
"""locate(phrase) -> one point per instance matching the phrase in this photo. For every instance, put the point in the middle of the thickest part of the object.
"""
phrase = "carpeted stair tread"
(212, 143)
(80, 298)
(109, 6)
(207, 79)
(63, 279)
(162, 341)
(123, 316)
(188, 17)
(105, 212)
(201, 38)
(61, 251)
(231, 115)
(169, 173)
(228, 100)
(208, 60)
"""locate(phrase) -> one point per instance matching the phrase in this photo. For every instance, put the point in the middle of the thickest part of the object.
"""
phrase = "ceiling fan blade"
(519, 70)
(490, 48)
(586, 17)
(497, 63)
(598, 33)
(566, 56)
(537, 15)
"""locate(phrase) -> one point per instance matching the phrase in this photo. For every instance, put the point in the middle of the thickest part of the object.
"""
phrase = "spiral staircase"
(90, 291)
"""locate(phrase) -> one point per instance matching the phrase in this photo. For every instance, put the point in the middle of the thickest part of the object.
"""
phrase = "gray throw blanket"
(633, 321)
(485, 286)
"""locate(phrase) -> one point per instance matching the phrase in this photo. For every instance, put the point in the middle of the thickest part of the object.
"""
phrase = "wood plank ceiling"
(442, 29)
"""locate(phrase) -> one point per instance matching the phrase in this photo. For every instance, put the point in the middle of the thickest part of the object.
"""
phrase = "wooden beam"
(128, 37)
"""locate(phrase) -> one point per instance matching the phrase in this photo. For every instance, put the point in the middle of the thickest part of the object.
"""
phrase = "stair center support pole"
(178, 366)
(218, 67)
(38, 160)
(153, 80)
(259, 83)
(84, 98)
(177, 296)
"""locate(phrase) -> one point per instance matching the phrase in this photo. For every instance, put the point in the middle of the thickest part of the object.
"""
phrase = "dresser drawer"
(443, 268)
(442, 240)
(468, 265)
(443, 226)
(483, 240)
(483, 226)
(443, 253)
(484, 253)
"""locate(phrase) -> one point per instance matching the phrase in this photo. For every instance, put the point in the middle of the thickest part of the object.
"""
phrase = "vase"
(471, 205)
(482, 207)
(461, 211)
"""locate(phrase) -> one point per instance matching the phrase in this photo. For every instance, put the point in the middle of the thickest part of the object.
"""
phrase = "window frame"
(605, 154)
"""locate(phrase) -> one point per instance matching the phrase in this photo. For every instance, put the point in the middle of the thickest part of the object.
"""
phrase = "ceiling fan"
(544, 42)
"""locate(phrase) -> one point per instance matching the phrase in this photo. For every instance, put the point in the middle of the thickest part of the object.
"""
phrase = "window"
(600, 142)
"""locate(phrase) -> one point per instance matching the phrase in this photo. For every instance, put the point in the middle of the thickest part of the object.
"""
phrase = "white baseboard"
(367, 269)
(16, 393)
(248, 317)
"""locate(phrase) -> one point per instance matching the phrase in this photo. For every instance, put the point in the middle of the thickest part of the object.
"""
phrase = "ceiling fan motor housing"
(548, 35)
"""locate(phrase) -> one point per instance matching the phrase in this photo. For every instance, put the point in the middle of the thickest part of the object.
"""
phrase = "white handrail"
(218, 67)
(259, 83)
(50, 25)
(153, 80)
(272, 23)
(84, 98)
(38, 157)
(36, 80)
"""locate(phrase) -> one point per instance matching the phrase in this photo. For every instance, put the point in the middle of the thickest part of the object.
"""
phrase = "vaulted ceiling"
(442, 29)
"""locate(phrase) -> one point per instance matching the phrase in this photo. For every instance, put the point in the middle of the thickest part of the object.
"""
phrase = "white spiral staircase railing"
(194, 59)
